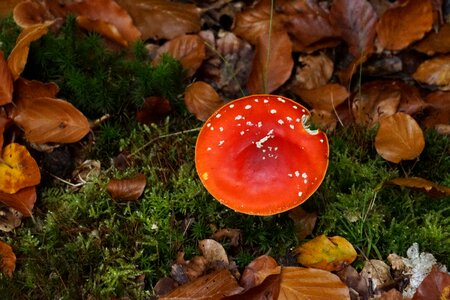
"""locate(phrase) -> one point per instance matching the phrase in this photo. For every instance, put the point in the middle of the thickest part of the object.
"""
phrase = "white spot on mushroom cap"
(281, 100)
(208, 149)
(281, 122)
(292, 126)
(242, 132)
(259, 124)
(256, 100)
(218, 116)
(238, 117)
(321, 140)
(231, 106)
(208, 125)
(304, 175)
(212, 128)
(300, 194)
(259, 144)
(290, 175)
(248, 106)
(249, 123)
(289, 118)
(220, 129)
(221, 142)
(266, 101)
(295, 106)
(297, 173)
(273, 111)
(305, 181)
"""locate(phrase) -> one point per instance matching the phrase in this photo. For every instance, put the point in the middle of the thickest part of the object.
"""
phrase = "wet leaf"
(8, 259)
(279, 68)
(188, 49)
(435, 286)
(161, 19)
(9, 218)
(304, 222)
(106, 12)
(6, 88)
(438, 112)
(103, 28)
(258, 270)
(355, 22)
(322, 252)
(22, 201)
(129, 189)
(153, 110)
(47, 120)
(429, 187)
(404, 23)
(201, 100)
(315, 71)
(399, 137)
(435, 71)
(213, 286)
(213, 252)
(312, 284)
(326, 97)
(19, 54)
(17, 169)
(435, 42)
(24, 88)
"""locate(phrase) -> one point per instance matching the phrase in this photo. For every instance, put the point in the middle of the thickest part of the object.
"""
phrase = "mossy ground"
(82, 244)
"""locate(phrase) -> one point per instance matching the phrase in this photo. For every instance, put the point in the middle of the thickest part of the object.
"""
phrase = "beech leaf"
(22, 201)
(103, 28)
(6, 79)
(24, 88)
(438, 112)
(129, 189)
(435, 286)
(422, 184)
(435, 42)
(45, 120)
(213, 252)
(269, 289)
(304, 222)
(4, 122)
(153, 109)
(10, 218)
(6, 6)
(28, 13)
(8, 259)
(435, 71)
(258, 270)
(315, 71)
(399, 137)
(201, 100)
(326, 97)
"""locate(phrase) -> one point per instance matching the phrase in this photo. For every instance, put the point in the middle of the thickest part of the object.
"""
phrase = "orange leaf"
(17, 169)
(6, 6)
(47, 120)
(424, 185)
(24, 88)
(103, 28)
(269, 289)
(315, 71)
(162, 19)
(435, 286)
(435, 71)
(8, 259)
(22, 201)
(438, 112)
(312, 284)
(322, 252)
(18, 57)
(405, 23)
(326, 97)
(201, 100)
(280, 65)
(6, 88)
(127, 189)
(399, 137)
(258, 270)
(107, 12)
(28, 13)
(435, 42)
(324, 119)
(188, 49)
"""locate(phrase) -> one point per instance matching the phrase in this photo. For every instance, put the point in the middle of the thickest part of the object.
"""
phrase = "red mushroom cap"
(257, 156)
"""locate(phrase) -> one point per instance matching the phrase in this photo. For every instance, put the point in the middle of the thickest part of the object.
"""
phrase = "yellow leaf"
(331, 254)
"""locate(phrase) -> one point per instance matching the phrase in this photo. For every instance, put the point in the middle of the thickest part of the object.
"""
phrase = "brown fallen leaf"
(9, 218)
(46, 120)
(324, 119)
(129, 189)
(304, 222)
(6, 88)
(4, 123)
(234, 235)
(326, 97)
(30, 12)
(435, 286)
(18, 169)
(258, 270)
(394, 27)
(24, 88)
(314, 71)
(429, 187)
(8, 259)
(201, 100)
(353, 280)
(188, 270)
(376, 273)
(164, 285)
(399, 137)
(153, 110)
(269, 289)
(22, 201)
(435, 42)
(7, 6)
(326, 253)
(392, 294)
(438, 111)
(214, 253)
(435, 71)
(103, 28)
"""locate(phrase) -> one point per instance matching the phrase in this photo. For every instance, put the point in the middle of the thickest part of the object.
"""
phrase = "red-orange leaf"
(24, 88)
(4, 122)
(399, 137)
(201, 100)
(8, 259)
(22, 201)
(421, 184)
(326, 97)
(435, 286)
(103, 28)
(435, 71)
(6, 6)
(47, 120)
(438, 112)
(257, 271)
(435, 42)
(315, 71)
(6, 86)
(129, 189)
(28, 13)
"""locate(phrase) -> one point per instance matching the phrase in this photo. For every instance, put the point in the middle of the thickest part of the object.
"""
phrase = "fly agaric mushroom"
(257, 155)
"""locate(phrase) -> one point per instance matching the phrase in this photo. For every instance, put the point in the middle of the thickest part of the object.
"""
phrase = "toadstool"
(257, 155)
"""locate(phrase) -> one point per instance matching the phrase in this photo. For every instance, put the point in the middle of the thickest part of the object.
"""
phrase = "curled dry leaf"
(234, 235)
(399, 137)
(19, 54)
(304, 222)
(326, 253)
(258, 270)
(435, 71)
(129, 189)
(46, 120)
(326, 97)
(435, 42)
(315, 71)
(438, 112)
(267, 77)
(6, 88)
(405, 23)
(17, 169)
(28, 13)
(108, 13)
(22, 201)
(376, 273)
(162, 19)
(24, 88)
(435, 286)
(429, 187)
(188, 49)
(313, 284)
(103, 28)
(201, 100)
(8, 259)
(213, 252)
(9, 218)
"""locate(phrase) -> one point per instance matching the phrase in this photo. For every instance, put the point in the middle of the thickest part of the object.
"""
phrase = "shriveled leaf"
(377, 272)
(355, 22)
(29, 13)
(19, 54)
(304, 222)
(399, 137)
(213, 286)
(188, 270)
(201, 100)
(429, 187)
(6, 79)
(103, 28)
(312, 284)
(405, 23)
(234, 235)
(107, 12)
(258, 270)
(315, 71)
(9, 218)
(22, 201)
(188, 49)
(353, 280)
(161, 19)
(266, 78)
(269, 289)
(326, 253)
(47, 120)
(435, 42)
(326, 97)
(213, 252)
(154, 109)
(24, 88)
(17, 169)
(435, 286)
(8, 259)
(435, 71)
(438, 112)
(129, 189)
